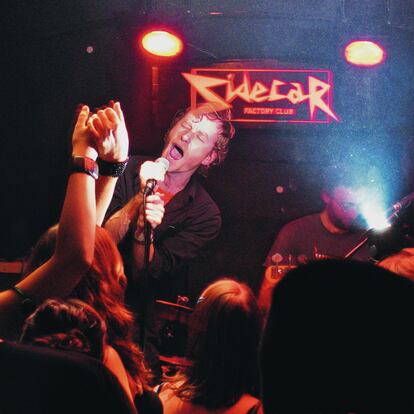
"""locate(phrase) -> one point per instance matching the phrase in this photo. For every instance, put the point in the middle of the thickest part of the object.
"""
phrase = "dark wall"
(48, 71)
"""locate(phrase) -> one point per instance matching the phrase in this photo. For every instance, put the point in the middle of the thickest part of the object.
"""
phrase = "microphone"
(152, 182)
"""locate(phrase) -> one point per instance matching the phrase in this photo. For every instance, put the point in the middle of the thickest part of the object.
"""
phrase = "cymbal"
(174, 305)
(175, 360)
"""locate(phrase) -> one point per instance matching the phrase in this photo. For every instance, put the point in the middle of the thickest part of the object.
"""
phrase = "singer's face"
(191, 143)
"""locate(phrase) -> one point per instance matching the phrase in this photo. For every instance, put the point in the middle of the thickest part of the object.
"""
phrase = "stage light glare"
(162, 43)
(364, 53)
(374, 215)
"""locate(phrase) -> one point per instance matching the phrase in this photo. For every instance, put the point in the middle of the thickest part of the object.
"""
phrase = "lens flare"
(374, 214)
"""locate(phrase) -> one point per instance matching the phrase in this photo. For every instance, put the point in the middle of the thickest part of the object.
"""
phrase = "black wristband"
(112, 169)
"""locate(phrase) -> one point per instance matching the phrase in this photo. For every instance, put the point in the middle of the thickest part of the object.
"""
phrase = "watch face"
(85, 165)
(89, 163)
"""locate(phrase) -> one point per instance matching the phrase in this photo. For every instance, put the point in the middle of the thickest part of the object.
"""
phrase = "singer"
(183, 216)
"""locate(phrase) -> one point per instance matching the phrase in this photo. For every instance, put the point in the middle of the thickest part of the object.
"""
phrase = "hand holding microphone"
(151, 172)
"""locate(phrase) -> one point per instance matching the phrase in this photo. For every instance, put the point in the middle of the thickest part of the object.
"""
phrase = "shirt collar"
(188, 192)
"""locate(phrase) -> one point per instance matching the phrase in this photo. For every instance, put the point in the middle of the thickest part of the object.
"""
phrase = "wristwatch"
(85, 165)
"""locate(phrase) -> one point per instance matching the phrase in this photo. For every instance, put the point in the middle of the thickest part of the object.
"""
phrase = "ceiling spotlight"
(364, 53)
(162, 43)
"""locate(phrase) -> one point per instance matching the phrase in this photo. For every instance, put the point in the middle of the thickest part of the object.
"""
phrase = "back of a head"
(223, 345)
(68, 325)
(336, 331)
(103, 288)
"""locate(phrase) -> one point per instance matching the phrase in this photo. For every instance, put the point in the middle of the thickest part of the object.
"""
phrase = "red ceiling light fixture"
(364, 53)
(162, 43)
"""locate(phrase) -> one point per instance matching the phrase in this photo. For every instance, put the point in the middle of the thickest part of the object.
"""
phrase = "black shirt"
(300, 237)
(191, 220)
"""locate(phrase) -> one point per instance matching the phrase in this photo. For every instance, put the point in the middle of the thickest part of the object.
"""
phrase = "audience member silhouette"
(223, 343)
(75, 242)
(103, 288)
(338, 340)
(103, 283)
(38, 380)
(74, 325)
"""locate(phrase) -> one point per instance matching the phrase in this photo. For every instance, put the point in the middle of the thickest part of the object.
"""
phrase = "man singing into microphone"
(182, 215)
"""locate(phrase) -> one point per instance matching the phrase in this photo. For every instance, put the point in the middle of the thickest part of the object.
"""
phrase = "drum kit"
(173, 322)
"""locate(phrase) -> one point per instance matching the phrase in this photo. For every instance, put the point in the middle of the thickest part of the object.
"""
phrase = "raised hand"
(110, 133)
(82, 140)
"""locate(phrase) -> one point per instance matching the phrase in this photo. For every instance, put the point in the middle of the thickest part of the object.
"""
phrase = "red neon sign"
(266, 95)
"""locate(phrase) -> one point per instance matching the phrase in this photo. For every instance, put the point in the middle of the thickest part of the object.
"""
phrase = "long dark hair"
(103, 287)
(223, 347)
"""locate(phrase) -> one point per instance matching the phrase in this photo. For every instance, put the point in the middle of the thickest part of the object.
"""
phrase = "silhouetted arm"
(75, 240)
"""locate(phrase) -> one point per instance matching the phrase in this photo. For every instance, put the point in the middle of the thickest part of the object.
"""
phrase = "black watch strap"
(112, 169)
(85, 165)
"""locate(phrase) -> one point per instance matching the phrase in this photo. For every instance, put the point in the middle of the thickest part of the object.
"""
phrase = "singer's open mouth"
(176, 152)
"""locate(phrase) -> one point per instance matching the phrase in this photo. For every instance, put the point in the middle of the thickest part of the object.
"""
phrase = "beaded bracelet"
(112, 169)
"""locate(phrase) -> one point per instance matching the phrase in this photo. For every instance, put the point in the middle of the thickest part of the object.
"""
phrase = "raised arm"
(75, 241)
(122, 221)
(111, 136)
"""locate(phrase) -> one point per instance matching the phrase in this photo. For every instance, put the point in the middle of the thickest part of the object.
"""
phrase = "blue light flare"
(374, 214)
(372, 204)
